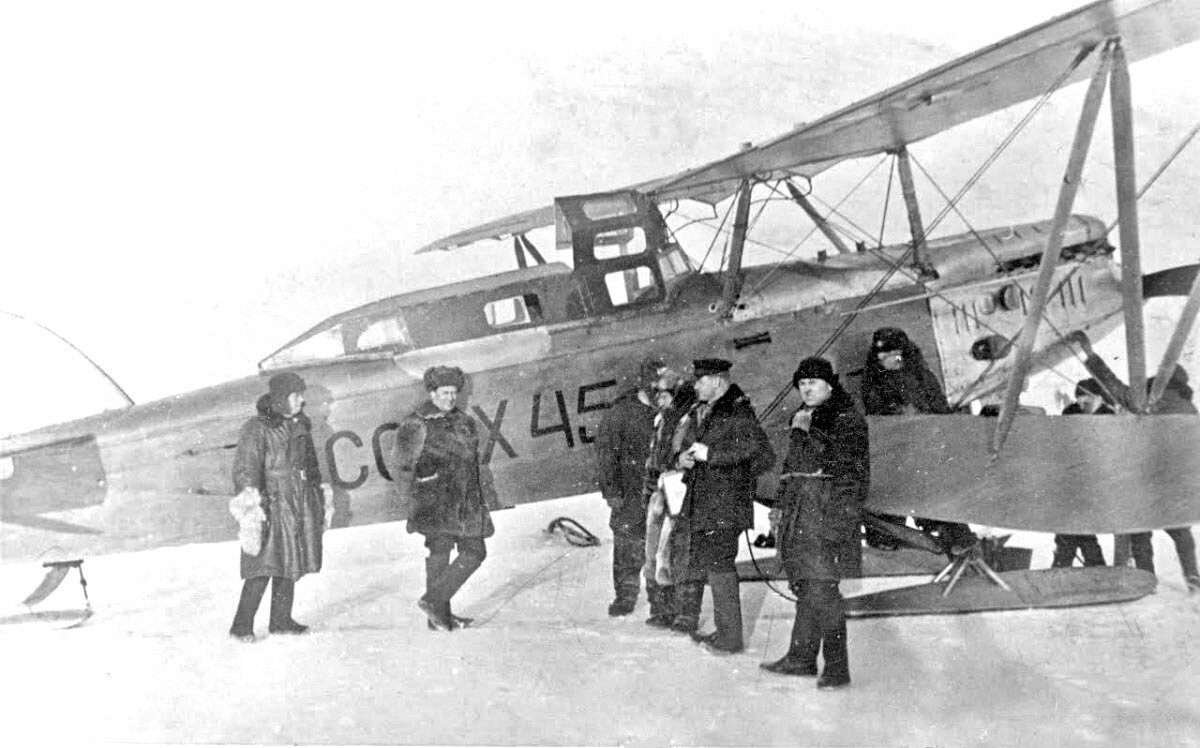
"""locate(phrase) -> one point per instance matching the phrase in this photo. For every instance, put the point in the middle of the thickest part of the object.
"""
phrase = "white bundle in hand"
(247, 509)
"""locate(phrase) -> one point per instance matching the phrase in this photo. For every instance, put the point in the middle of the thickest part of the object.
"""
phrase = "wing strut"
(1062, 212)
(1127, 215)
(1175, 346)
(909, 189)
(733, 275)
(521, 246)
(802, 200)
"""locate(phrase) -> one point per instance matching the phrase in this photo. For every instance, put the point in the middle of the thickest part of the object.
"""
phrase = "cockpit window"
(389, 333)
(620, 242)
(673, 263)
(513, 312)
(380, 334)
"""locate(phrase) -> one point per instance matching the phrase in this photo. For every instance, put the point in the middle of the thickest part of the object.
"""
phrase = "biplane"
(545, 344)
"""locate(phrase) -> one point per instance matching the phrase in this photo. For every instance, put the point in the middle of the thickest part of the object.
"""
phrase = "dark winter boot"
(662, 605)
(460, 622)
(283, 592)
(1185, 548)
(1064, 552)
(243, 619)
(437, 613)
(1142, 550)
(1092, 555)
(623, 604)
(801, 657)
(689, 596)
(456, 621)
(831, 617)
(727, 614)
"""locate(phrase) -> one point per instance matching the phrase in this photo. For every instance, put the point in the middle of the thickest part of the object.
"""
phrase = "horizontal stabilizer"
(45, 523)
(53, 477)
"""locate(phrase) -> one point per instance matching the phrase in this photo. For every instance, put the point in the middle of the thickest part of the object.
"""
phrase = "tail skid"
(57, 572)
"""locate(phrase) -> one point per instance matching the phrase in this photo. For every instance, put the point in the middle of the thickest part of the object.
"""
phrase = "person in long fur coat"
(276, 458)
(897, 381)
(435, 469)
(823, 483)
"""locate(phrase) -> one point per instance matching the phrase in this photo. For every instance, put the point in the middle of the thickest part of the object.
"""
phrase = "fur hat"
(444, 376)
(814, 368)
(702, 367)
(284, 384)
(1088, 387)
(648, 372)
(889, 339)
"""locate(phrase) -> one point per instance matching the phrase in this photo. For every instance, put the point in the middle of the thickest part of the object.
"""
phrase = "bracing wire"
(770, 275)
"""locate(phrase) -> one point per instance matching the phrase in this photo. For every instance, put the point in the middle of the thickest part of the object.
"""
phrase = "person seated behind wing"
(897, 381)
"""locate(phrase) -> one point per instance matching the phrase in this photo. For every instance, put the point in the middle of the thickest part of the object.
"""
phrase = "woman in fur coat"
(276, 466)
(435, 466)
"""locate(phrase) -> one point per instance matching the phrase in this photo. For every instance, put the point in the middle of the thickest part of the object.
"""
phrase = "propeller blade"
(1170, 282)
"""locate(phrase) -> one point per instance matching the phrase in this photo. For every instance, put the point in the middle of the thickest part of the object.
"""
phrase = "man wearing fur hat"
(723, 462)
(622, 447)
(435, 466)
(276, 467)
(823, 483)
(897, 381)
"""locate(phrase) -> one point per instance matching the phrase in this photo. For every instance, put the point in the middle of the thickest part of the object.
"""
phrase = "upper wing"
(1016, 69)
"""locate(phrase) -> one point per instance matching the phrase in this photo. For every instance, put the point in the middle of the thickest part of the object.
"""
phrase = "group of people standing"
(678, 464)
(1104, 394)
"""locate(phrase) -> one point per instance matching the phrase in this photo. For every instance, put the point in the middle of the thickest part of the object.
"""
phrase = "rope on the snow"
(575, 533)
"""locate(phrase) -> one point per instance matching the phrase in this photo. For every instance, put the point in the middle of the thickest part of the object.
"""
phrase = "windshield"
(386, 334)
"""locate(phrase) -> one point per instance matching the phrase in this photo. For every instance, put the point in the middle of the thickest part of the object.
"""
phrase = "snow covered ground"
(546, 665)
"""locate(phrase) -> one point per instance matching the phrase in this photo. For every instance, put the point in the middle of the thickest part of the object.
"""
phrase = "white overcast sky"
(186, 186)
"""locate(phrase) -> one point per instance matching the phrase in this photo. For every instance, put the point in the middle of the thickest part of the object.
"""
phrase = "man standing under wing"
(723, 464)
